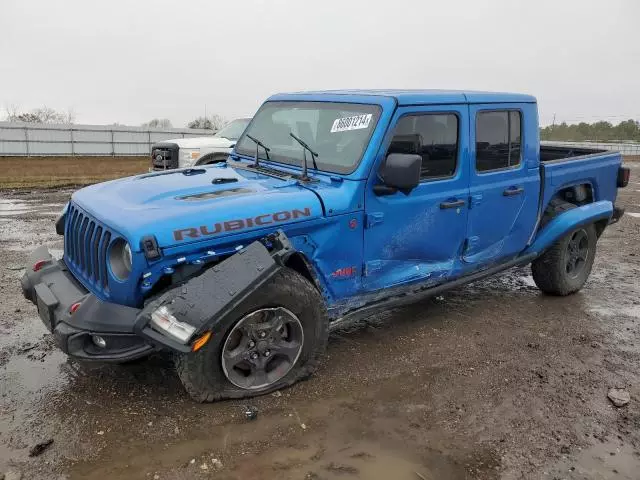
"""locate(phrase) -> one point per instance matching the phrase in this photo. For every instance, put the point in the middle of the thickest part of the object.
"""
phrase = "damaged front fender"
(205, 300)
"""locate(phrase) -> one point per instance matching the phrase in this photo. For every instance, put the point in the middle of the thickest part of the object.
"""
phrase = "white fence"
(626, 148)
(28, 139)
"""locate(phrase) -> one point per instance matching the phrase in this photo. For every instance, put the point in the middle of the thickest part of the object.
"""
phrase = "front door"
(504, 188)
(420, 236)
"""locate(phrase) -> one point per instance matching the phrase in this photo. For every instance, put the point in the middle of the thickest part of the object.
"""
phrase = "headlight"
(163, 321)
(120, 259)
(189, 155)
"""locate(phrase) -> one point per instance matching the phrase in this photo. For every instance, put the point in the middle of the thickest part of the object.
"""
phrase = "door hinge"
(374, 219)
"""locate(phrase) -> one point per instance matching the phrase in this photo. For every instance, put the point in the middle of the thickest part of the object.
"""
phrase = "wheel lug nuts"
(262, 334)
(267, 353)
(252, 344)
(254, 355)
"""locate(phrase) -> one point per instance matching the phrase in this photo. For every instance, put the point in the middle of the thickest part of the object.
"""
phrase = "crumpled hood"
(180, 207)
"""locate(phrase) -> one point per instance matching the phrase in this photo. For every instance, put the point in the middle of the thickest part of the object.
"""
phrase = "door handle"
(510, 192)
(452, 204)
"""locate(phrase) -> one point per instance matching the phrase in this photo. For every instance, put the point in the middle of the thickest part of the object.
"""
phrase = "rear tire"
(206, 374)
(565, 267)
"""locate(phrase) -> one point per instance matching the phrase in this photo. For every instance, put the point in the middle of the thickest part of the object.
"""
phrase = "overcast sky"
(129, 61)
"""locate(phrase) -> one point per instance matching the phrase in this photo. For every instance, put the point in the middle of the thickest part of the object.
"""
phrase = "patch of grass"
(49, 172)
(52, 172)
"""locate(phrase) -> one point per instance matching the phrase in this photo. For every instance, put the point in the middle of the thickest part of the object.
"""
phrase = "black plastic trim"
(618, 212)
(53, 289)
(204, 301)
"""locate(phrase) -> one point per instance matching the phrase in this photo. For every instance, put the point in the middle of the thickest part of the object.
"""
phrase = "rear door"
(419, 236)
(504, 185)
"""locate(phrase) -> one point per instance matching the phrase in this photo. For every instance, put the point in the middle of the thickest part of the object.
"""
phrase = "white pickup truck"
(187, 152)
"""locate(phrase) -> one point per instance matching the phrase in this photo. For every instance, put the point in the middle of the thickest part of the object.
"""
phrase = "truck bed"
(551, 153)
(563, 167)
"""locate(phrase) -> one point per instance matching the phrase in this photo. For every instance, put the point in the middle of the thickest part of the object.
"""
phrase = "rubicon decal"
(241, 224)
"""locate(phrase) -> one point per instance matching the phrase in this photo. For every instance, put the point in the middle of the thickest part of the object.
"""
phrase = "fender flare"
(568, 221)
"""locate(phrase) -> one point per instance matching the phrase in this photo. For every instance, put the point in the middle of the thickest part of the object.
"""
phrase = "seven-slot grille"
(86, 244)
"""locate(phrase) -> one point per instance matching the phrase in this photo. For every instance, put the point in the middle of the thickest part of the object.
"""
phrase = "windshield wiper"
(305, 148)
(258, 145)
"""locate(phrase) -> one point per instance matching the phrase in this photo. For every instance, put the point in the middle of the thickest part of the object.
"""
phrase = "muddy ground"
(494, 380)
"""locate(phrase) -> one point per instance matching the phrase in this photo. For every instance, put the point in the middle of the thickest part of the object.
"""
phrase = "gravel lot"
(494, 380)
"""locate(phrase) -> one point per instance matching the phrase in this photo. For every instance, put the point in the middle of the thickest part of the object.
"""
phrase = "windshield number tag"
(357, 122)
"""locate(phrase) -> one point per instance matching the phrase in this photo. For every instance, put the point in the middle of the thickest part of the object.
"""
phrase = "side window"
(498, 140)
(432, 136)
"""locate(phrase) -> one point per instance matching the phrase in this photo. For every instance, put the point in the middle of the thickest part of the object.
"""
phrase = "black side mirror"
(400, 172)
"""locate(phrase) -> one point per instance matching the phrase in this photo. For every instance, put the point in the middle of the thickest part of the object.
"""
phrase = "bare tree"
(43, 114)
(213, 122)
(13, 111)
(158, 123)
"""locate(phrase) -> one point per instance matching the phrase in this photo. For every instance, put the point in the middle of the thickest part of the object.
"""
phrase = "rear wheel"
(276, 340)
(564, 268)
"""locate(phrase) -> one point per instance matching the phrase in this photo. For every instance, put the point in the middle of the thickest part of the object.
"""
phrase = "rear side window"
(498, 143)
(432, 136)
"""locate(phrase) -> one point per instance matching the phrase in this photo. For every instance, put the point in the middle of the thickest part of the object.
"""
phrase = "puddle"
(5, 201)
(602, 461)
(12, 208)
(9, 206)
(630, 311)
(358, 460)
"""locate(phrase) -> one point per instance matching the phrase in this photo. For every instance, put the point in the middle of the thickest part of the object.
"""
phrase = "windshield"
(233, 130)
(338, 132)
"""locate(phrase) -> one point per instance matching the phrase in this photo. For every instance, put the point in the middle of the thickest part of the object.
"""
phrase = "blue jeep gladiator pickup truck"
(332, 205)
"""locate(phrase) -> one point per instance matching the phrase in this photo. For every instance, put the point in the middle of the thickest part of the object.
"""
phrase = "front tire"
(565, 267)
(277, 339)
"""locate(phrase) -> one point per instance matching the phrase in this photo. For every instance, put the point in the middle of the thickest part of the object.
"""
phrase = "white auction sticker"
(356, 122)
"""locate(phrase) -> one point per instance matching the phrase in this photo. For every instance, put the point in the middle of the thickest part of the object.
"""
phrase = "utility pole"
(554, 120)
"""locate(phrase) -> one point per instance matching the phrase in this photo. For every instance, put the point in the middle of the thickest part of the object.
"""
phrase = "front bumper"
(202, 301)
(165, 156)
(53, 289)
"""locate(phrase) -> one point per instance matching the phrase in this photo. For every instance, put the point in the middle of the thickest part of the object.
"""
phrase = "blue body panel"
(599, 171)
(567, 221)
(507, 231)
(356, 242)
(411, 239)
